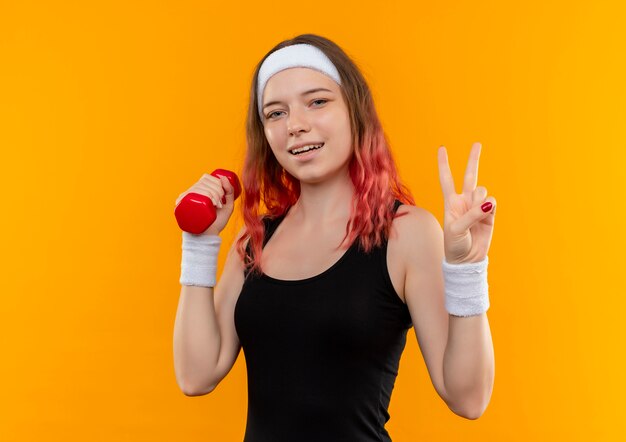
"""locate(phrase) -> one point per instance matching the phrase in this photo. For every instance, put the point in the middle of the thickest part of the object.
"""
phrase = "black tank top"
(322, 353)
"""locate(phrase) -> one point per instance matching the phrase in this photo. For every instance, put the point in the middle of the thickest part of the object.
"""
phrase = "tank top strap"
(404, 316)
(270, 225)
(397, 203)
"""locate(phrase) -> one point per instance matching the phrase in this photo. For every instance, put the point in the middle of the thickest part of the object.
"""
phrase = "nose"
(296, 123)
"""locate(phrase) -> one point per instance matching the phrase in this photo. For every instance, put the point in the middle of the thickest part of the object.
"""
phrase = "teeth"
(305, 148)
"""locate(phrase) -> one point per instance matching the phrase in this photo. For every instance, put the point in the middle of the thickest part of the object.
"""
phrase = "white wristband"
(199, 259)
(466, 287)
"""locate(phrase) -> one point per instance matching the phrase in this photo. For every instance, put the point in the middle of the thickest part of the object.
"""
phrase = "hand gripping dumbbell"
(196, 212)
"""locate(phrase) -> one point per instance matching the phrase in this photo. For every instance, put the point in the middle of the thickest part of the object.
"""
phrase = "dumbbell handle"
(195, 212)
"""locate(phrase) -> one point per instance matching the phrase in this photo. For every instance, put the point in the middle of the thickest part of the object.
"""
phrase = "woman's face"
(292, 117)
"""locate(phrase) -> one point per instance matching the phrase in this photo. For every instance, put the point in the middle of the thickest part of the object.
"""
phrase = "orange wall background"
(109, 110)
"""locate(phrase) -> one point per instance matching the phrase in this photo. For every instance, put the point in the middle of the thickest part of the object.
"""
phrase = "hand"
(467, 229)
(216, 188)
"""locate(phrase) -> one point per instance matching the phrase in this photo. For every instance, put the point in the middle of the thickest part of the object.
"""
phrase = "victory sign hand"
(468, 216)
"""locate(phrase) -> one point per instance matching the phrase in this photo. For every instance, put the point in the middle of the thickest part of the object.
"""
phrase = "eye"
(269, 116)
(272, 113)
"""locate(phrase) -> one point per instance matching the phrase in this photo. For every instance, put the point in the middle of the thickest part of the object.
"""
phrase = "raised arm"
(458, 351)
(206, 345)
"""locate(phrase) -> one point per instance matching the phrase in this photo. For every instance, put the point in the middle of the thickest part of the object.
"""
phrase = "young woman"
(321, 289)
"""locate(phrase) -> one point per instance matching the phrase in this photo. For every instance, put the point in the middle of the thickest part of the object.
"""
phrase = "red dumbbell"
(196, 212)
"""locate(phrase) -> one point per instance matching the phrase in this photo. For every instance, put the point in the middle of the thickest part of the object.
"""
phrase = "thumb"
(229, 190)
(477, 213)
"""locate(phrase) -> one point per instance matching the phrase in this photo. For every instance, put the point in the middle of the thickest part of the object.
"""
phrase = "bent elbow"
(191, 391)
(469, 406)
(470, 411)
(473, 414)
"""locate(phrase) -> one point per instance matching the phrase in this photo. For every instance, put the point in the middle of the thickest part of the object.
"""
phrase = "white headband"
(299, 55)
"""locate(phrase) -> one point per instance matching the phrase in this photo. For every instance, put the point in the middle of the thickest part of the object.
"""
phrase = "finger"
(474, 215)
(216, 186)
(471, 171)
(445, 176)
(210, 178)
(211, 191)
(492, 212)
(229, 190)
(479, 195)
(216, 201)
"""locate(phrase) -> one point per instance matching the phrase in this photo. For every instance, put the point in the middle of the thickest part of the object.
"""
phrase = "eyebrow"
(302, 95)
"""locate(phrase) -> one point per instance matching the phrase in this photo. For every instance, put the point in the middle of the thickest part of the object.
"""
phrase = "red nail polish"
(486, 207)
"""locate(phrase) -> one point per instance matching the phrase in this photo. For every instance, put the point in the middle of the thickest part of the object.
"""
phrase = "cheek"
(335, 126)
(330, 121)
(277, 146)
(339, 125)
(275, 133)
(273, 139)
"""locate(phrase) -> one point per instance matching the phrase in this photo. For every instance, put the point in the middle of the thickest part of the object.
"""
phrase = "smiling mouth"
(307, 151)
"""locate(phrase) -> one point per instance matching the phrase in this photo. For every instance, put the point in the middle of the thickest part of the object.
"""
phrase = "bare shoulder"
(415, 233)
(416, 225)
(409, 236)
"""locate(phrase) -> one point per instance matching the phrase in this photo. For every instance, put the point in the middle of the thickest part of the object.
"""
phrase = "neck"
(324, 203)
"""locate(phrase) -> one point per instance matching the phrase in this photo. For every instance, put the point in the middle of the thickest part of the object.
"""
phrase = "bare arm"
(468, 362)
(196, 337)
(205, 341)
(458, 351)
